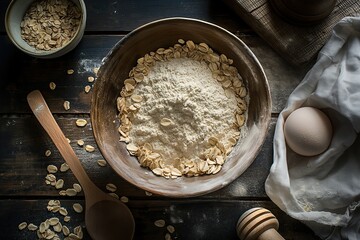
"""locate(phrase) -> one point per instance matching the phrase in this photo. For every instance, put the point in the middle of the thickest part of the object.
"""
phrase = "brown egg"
(308, 131)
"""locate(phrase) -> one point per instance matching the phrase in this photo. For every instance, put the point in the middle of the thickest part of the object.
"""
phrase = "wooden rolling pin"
(258, 224)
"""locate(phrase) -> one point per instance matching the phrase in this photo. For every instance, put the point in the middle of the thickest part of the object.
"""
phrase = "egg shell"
(308, 131)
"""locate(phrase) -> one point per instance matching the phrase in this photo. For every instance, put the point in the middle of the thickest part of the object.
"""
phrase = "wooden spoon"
(105, 217)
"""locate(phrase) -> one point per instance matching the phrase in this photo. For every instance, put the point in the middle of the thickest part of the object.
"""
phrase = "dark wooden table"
(23, 192)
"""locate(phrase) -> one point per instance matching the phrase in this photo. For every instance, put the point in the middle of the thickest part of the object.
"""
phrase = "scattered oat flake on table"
(47, 153)
(65, 230)
(70, 71)
(77, 207)
(87, 88)
(80, 142)
(52, 168)
(63, 211)
(53, 221)
(62, 192)
(22, 225)
(78, 232)
(58, 227)
(102, 162)
(52, 85)
(170, 228)
(64, 167)
(32, 227)
(77, 187)
(81, 122)
(114, 195)
(111, 187)
(159, 223)
(168, 236)
(53, 205)
(50, 177)
(89, 148)
(91, 79)
(43, 227)
(148, 193)
(66, 105)
(72, 236)
(59, 184)
(124, 199)
(71, 192)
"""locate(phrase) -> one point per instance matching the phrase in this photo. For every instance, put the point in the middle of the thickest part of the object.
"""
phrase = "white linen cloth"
(324, 191)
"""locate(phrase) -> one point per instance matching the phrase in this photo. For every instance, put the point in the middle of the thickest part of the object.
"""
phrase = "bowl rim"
(42, 53)
(262, 136)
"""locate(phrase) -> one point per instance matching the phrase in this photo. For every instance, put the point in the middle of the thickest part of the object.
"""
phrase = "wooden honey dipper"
(258, 224)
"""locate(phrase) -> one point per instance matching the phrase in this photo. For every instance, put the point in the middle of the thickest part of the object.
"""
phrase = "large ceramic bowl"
(15, 14)
(115, 69)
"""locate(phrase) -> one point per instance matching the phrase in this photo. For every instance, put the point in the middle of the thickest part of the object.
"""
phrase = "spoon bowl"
(106, 218)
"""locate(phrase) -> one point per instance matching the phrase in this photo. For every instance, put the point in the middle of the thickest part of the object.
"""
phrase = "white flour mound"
(184, 91)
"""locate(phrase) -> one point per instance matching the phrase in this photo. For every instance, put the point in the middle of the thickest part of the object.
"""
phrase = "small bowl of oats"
(45, 28)
(180, 107)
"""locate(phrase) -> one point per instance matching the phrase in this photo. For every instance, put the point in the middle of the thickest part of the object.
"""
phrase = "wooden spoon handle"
(42, 113)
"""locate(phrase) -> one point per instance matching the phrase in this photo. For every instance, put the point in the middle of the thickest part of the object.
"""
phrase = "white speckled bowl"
(13, 17)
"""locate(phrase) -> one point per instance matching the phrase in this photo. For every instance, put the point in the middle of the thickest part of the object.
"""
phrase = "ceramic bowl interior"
(115, 69)
(13, 17)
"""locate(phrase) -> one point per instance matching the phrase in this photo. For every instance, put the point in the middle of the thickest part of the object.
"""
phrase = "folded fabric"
(324, 191)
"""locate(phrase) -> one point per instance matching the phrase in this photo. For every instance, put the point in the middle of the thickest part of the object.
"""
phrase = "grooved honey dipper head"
(254, 222)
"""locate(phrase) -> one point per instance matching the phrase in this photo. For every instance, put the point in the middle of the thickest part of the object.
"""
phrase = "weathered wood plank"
(23, 162)
(22, 74)
(15, 84)
(126, 15)
(190, 218)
